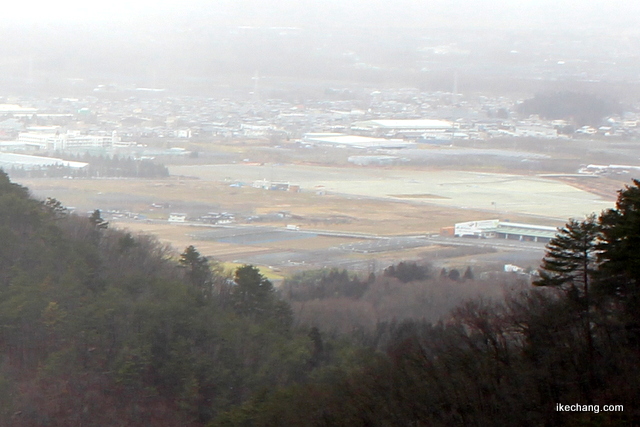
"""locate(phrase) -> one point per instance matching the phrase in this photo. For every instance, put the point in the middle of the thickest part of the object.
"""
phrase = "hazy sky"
(512, 13)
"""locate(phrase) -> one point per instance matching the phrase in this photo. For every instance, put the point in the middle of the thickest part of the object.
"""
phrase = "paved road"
(350, 255)
(512, 245)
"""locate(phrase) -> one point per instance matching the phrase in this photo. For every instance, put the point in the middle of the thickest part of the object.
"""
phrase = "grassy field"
(506, 193)
(311, 211)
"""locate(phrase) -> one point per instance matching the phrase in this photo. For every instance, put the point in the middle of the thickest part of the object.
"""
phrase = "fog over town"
(330, 148)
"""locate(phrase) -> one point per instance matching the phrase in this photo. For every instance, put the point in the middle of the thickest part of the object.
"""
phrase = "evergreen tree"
(253, 291)
(468, 274)
(407, 272)
(126, 242)
(454, 274)
(571, 258)
(620, 256)
(570, 264)
(317, 354)
(254, 297)
(56, 207)
(97, 221)
(197, 268)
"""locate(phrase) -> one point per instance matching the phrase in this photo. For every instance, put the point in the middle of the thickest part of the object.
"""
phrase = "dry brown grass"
(606, 188)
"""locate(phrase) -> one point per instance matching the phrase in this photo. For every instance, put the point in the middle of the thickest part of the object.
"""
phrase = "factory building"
(26, 162)
(16, 110)
(354, 141)
(65, 141)
(412, 129)
(373, 160)
(496, 229)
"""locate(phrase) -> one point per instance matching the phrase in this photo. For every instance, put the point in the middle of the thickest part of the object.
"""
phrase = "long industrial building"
(408, 128)
(27, 162)
(496, 229)
(64, 141)
(354, 141)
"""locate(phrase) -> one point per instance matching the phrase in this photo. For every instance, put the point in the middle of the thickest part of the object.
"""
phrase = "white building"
(65, 141)
(354, 141)
(475, 228)
(26, 162)
(494, 228)
(403, 128)
(177, 217)
(373, 160)
(533, 131)
(17, 110)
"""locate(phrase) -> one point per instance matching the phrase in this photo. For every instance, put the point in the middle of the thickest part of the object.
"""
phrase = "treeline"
(340, 303)
(579, 108)
(99, 166)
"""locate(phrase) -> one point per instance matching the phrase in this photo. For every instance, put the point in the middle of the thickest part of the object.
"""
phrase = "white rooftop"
(13, 108)
(27, 161)
(407, 124)
(355, 141)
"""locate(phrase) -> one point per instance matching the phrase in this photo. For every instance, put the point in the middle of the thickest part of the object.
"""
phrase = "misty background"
(207, 48)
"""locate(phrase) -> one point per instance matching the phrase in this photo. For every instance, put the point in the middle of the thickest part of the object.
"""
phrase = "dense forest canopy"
(102, 327)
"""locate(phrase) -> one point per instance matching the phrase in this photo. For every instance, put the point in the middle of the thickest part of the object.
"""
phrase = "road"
(362, 253)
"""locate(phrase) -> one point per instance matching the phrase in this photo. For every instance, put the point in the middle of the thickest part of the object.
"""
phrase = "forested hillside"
(102, 327)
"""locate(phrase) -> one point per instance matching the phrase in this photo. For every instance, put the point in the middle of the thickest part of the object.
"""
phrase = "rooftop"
(407, 124)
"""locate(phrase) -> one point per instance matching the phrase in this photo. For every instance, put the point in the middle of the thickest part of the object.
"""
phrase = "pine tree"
(468, 274)
(253, 291)
(255, 297)
(571, 258)
(197, 268)
(619, 254)
(97, 221)
(570, 264)
(454, 275)
(55, 207)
